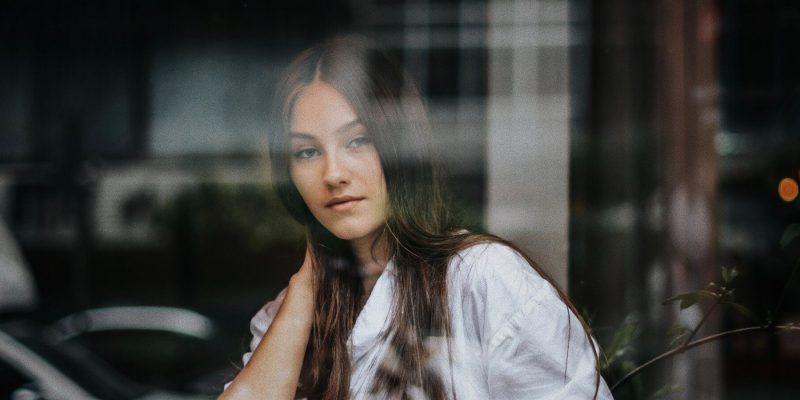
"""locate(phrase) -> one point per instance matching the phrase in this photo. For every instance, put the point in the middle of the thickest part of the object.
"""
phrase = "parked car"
(166, 347)
(34, 367)
(132, 352)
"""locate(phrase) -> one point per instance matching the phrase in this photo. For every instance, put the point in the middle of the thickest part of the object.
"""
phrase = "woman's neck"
(372, 259)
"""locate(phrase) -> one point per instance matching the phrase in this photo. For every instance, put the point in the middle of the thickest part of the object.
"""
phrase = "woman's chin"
(347, 236)
(353, 234)
(340, 233)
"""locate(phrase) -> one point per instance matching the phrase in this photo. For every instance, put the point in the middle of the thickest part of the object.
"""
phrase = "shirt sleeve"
(259, 325)
(534, 346)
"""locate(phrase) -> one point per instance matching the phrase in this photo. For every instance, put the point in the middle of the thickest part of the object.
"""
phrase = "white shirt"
(512, 336)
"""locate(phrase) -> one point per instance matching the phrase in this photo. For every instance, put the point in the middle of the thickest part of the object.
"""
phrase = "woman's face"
(335, 166)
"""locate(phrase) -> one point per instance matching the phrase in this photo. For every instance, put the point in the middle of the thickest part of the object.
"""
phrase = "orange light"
(788, 189)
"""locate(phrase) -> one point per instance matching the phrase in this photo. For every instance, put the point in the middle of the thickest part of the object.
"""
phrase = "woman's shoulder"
(487, 249)
(495, 275)
(491, 261)
(532, 342)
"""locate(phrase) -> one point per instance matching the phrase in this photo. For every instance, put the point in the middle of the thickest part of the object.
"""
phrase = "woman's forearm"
(274, 369)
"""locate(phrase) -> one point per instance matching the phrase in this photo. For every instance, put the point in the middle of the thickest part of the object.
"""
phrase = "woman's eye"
(360, 141)
(306, 153)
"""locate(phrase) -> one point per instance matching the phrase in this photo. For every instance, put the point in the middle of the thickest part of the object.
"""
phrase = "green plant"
(683, 338)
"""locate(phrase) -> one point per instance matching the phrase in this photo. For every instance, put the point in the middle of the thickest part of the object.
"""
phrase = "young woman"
(394, 300)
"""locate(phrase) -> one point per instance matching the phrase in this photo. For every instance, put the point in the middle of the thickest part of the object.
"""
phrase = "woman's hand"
(304, 277)
(274, 369)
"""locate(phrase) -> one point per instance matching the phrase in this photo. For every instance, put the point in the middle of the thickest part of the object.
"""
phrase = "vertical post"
(687, 114)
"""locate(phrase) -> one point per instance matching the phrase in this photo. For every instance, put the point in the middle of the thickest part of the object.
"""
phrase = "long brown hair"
(421, 234)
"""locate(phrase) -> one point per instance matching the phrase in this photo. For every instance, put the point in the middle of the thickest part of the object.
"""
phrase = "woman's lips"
(346, 205)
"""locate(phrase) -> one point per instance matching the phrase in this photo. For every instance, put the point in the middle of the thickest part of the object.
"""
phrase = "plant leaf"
(621, 343)
(628, 366)
(667, 390)
(728, 275)
(677, 333)
(689, 299)
(742, 310)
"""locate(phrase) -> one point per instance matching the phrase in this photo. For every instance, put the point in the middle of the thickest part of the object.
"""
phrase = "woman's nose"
(336, 171)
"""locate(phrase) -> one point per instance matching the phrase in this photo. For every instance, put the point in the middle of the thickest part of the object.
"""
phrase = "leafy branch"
(719, 295)
(788, 327)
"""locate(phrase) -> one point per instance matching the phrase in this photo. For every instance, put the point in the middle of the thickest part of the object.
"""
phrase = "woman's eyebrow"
(301, 135)
(342, 129)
